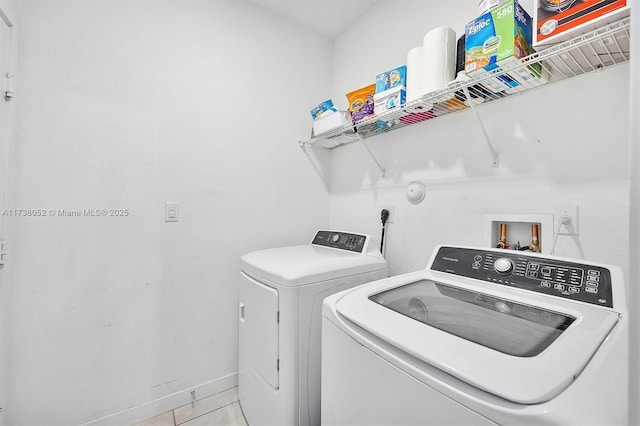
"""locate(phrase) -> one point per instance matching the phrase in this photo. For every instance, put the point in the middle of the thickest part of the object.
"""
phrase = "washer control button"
(503, 266)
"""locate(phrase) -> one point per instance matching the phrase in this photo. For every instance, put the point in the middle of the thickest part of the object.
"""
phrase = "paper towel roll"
(439, 58)
(460, 54)
(415, 80)
(415, 73)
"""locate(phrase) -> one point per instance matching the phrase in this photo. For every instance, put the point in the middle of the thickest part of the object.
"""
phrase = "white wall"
(125, 105)
(5, 119)
(634, 229)
(8, 59)
(563, 144)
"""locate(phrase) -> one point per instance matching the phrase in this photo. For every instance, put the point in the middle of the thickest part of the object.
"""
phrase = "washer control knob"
(503, 266)
(335, 238)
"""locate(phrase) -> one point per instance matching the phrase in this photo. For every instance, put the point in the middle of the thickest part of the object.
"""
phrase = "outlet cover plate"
(170, 211)
(569, 210)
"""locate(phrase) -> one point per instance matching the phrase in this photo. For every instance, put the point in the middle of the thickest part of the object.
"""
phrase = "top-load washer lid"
(505, 326)
(295, 266)
(523, 348)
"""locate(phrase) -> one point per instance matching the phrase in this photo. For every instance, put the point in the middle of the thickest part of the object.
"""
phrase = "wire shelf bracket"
(307, 148)
(494, 154)
(375, 160)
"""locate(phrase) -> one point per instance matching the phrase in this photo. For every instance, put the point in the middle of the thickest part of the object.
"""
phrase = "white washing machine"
(480, 337)
(281, 294)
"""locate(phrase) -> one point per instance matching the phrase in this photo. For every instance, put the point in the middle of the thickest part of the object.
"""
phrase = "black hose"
(384, 216)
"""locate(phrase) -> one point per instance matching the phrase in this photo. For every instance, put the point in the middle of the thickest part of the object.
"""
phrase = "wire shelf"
(594, 51)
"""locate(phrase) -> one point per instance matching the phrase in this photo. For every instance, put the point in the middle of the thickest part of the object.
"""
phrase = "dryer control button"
(503, 265)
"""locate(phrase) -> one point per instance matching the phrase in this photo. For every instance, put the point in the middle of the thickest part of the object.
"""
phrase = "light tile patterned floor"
(221, 409)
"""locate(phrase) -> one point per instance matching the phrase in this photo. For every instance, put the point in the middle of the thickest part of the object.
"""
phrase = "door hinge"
(3, 252)
(278, 364)
(278, 317)
(10, 86)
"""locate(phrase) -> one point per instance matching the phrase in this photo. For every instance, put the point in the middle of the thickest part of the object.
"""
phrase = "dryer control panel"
(340, 240)
(571, 280)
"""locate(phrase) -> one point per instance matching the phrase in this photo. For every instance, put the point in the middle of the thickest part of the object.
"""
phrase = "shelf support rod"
(494, 154)
(308, 151)
(382, 170)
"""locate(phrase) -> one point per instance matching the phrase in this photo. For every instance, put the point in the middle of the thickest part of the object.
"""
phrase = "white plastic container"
(331, 122)
(486, 5)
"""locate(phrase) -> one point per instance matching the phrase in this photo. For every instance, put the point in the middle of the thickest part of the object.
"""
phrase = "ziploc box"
(496, 39)
(502, 33)
(361, 102)
(558, 20)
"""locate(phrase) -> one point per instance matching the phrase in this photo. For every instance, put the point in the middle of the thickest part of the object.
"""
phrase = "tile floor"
(221, 409)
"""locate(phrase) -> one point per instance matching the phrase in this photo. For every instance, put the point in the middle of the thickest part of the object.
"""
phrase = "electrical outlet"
(570, 211)
(170, 211)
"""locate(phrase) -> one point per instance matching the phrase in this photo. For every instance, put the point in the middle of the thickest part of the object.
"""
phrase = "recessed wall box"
(518, 229)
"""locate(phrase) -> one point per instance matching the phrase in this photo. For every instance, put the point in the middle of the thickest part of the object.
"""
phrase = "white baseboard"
(166, 403)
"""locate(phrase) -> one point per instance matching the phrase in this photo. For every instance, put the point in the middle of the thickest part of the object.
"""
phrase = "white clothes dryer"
(281, 294)
(480, 337)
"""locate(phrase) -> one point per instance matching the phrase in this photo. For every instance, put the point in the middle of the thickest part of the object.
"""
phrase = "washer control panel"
(571, 280)
(340, 240)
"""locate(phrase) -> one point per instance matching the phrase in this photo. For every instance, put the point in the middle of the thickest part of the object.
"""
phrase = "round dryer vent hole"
(416, 192)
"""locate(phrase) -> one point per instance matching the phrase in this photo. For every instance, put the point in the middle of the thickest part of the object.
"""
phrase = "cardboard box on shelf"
(555, 21)
(389, 99)
(392, 78)
(499, 39)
